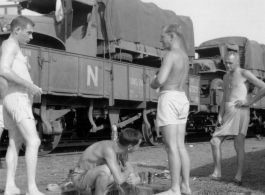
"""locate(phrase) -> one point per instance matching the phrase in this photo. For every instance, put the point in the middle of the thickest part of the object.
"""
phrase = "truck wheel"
(150, 134)
(48, 142)
(123, 57)
(217, 84)
(217, 91)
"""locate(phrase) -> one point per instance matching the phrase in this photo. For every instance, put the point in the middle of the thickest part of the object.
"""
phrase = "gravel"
(54, 169)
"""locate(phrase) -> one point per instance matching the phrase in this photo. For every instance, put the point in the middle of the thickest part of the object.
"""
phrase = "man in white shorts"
(173, 107)
(17, 105)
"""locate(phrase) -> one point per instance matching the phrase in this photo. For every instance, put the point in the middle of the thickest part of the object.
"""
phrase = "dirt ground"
(54, 169)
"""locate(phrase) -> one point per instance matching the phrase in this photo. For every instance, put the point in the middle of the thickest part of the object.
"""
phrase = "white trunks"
(235, 121)
(17, 105)
(173, 108)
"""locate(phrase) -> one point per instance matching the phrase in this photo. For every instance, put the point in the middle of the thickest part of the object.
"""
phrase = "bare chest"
(236, 81)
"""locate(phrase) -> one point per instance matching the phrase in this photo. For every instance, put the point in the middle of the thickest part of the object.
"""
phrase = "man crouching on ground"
(98, 167)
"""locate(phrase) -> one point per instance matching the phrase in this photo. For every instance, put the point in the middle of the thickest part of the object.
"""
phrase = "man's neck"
(14, 39)
(175, 45)
(118, 148)
(237, 69)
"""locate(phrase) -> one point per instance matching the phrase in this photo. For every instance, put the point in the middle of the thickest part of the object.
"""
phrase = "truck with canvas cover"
(211, 69)
(94, 61)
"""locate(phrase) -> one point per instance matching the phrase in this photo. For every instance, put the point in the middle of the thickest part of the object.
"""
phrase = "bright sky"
(219, 18)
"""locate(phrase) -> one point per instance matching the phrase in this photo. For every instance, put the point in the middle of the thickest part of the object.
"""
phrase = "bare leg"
(169, 133)
(99, 177)
(102, 183)
(239, 144)
(217, 155)
(185, 159)
(15, 141)
(28, 130)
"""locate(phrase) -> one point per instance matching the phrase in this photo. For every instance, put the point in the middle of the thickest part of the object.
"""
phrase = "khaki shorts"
(173, 108)
(16, 107)
(235, 121)
(80, 179)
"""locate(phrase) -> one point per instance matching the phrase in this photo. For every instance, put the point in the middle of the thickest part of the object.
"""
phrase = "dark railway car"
(95, 64)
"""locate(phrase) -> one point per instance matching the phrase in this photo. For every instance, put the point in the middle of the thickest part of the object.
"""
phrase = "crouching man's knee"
(105, 170)
(104, 179)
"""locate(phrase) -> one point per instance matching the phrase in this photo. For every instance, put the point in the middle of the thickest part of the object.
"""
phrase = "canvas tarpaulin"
(253, 51)
(135, 21)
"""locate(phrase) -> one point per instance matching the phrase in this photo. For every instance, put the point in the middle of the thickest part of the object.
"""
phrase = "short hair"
(21, 21)
(233, 53)
(173, 28)
(129, 136)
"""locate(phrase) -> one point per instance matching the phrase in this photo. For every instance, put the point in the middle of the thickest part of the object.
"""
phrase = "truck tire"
(123, 57)
(216, 84)
(216, 91)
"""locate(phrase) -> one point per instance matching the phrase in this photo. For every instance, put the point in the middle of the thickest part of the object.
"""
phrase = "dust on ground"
(55, 169)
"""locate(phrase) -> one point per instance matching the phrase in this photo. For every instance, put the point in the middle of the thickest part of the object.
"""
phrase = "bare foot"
(12, 190)
(216, 174)
(169, 192)
(185, 189)
(34, 192)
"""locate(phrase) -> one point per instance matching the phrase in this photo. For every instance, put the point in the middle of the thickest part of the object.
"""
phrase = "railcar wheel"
(151, 136)
(48, 142)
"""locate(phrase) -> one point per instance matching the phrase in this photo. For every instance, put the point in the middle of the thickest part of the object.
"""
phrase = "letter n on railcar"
(91, 76)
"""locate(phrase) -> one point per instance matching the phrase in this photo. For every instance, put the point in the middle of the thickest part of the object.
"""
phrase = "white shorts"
(173, 108)
(16, 107)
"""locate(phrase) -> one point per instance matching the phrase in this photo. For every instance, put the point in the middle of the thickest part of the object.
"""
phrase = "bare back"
(94, 155)
(178, 74)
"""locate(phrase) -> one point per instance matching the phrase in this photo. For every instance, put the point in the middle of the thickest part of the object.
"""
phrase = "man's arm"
(164, 71)
(134, 177)
(119, 176)
(9, 51)
(257, 83)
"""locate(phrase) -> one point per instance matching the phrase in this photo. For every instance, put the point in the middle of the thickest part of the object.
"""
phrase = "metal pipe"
(90, 115)
(43, 115)
(145, 119)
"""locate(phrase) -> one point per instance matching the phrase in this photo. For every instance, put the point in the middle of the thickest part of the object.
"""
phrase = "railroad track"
(63, 149)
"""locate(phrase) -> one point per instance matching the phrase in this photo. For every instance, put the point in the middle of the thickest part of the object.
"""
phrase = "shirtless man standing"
(233, 118)
(173, 107)
(98, 167)
(17, 105)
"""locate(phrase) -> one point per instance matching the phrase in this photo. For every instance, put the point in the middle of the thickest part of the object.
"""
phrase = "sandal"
(53, 187)
(237, 182)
